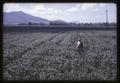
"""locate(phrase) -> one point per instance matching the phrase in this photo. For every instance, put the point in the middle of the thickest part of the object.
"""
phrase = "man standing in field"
(78, 43)
(79, 47)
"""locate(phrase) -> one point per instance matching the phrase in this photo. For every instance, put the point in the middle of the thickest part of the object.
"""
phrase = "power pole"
(107, 18)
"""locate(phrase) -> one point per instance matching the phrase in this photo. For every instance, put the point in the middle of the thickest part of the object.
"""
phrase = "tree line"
(70, 24)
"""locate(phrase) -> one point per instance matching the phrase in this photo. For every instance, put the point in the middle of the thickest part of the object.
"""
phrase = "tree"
(29, 23)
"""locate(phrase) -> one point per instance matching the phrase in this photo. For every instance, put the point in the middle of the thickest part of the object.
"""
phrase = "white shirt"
(78, 43)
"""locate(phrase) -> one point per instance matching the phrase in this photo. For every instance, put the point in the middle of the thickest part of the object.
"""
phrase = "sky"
(69, 12)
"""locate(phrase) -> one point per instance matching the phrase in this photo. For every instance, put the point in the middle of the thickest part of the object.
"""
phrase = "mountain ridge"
(21, 17)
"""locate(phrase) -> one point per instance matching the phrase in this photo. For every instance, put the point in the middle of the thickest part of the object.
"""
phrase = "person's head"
(79, 40)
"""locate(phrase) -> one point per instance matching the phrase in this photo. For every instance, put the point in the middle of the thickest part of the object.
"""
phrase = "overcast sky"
(69, 12)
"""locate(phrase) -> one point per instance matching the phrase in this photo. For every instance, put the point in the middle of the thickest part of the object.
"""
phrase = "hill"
(21, 17)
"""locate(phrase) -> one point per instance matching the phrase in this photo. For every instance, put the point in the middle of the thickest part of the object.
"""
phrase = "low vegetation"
(52, 56)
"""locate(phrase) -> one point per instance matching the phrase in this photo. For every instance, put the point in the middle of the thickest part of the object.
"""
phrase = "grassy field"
(52, 56)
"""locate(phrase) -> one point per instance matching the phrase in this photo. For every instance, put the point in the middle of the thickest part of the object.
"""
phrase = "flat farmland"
(52, 55)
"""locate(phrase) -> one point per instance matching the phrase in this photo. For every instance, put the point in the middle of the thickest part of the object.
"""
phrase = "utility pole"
(106, 18)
